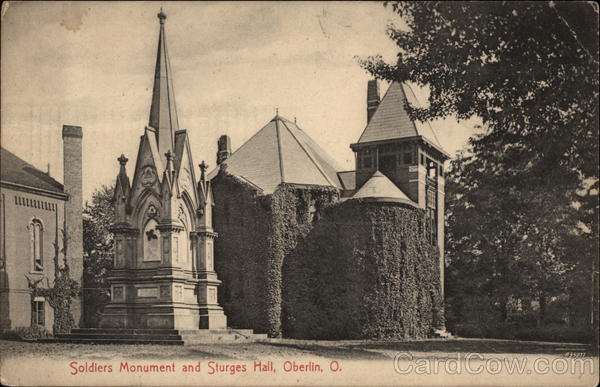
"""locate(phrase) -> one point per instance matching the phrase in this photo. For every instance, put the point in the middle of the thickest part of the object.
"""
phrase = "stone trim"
(33, 190)
(34, 203)
(210, 234)
(124, 229)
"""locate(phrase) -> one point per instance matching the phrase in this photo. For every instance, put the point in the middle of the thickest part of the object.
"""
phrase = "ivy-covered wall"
(299, 263)
(256, 232)
(364, 271)
(241, 218)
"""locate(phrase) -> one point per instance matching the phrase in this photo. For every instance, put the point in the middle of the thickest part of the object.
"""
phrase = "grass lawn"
(285, 348)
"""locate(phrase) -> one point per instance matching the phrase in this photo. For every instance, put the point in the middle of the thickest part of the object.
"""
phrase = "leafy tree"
(98, 252)
(529, 70)
(525, 192)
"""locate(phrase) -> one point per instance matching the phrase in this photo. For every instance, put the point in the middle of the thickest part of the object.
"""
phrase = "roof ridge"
(279, 151)
(309, 155)
(414, 121)
(376, 110)
(248, 140)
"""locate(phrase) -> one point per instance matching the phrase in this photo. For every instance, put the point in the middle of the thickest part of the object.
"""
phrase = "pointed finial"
(203, 167)
(162, 16)
(123, 160)
(277, 111)
(294, 120)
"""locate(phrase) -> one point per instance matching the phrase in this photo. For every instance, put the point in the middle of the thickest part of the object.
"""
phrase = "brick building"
(272, 191)
(34, 209)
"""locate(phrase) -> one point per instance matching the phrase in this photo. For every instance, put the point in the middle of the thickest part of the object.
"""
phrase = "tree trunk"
(542, 312)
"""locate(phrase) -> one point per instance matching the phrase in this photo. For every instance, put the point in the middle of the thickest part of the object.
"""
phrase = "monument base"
(212, 318)
(135, 316)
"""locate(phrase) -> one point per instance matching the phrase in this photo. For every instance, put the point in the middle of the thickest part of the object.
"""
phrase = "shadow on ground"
(369, 349)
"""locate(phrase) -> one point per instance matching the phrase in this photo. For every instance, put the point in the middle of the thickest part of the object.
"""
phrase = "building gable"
(279, 153)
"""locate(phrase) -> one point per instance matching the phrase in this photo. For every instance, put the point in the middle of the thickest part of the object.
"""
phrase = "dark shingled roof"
(16, 170)
(281, 152)
(391, 121)
(348, 179)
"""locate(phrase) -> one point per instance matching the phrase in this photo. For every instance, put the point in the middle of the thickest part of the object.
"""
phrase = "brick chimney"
(372, 98)
(224, 149)
(72, 151)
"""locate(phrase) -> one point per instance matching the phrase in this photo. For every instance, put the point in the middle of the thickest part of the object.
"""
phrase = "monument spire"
(163, 112)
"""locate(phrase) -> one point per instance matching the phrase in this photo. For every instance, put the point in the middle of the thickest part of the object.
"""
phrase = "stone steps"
(156, 336)
(124, 331)
(75, 340)
(106, 336)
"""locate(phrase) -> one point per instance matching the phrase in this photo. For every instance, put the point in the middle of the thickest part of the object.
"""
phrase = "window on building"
(365, 158)
(431, 169)
(431, 202)
(36, 232)
(387, 148)
(387, 162)
(408, 159)
(37, 312)
(431, 227)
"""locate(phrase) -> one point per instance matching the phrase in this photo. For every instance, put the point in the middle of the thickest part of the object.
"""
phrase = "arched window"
(36, 232)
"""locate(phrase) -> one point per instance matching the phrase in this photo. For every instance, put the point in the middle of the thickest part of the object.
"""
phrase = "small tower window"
(387, 162)
(431, 169)
(365, 158)
(36, 232)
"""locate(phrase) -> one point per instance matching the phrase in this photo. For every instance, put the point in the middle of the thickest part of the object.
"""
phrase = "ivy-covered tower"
(407, 152)
(163, 274)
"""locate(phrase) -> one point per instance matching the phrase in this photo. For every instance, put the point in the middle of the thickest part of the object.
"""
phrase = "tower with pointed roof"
(163, 275)
(407, 152)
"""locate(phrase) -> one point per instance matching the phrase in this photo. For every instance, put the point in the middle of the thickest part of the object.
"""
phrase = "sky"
(91, 64)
